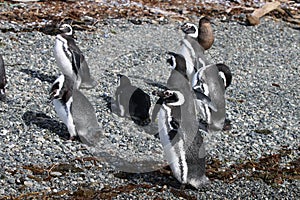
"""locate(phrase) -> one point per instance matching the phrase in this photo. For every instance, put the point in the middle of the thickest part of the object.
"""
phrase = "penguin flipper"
(87, 81)
(76, 57)
(205, 99)
(156, 109)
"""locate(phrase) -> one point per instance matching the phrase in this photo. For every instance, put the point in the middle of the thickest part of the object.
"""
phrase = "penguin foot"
(227, 125)
(72, 138)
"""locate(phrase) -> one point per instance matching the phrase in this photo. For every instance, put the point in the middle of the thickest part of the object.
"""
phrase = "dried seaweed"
(268, 168)
(45, 15)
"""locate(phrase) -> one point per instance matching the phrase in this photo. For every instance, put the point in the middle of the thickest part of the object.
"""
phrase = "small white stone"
(55, 174)
(28, 183)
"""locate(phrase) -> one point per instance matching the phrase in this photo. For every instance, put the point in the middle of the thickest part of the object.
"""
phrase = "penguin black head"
(66, 29)
(204, 20)
(62, 88)
(190, 29)
(225, 74)
(123, 80)
(170, 97)
(205, 33)
(177, 62)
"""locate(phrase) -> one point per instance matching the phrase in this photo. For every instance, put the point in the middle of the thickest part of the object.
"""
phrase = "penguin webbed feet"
(227, 124)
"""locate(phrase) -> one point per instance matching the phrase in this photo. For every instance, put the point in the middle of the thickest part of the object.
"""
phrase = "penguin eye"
(168, 94)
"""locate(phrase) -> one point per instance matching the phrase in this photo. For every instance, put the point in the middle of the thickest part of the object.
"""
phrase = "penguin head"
(123, 80)
(56, 87)
(190, 29)
(62, 88)
(177, 62)
(225, 74)
(170, 97)
(66, 29)
(204, 21)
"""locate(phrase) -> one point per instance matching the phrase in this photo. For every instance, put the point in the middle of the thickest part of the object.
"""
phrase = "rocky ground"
(258, 158)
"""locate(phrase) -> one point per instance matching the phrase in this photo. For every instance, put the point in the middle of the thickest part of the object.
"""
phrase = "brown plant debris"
(253, 19)
(269, 168)
(45, 15)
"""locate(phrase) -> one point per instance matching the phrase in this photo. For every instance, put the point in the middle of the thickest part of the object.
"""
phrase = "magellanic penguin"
(73, 108)
(179, 128)
(205, 33)
(192, 51)
(2, 79)
(132, 101)
(71, 60)
(208, 81)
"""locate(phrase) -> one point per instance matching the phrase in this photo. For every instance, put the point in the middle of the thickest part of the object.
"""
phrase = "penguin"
(132, 101)
(192, 51)
(71, 60)
(2, 79)
(208, 81)
(61, 97)
(205, 33)
(73, 108)
(179, 129)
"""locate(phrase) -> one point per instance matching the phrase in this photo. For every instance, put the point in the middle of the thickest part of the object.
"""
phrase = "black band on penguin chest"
(173, 124)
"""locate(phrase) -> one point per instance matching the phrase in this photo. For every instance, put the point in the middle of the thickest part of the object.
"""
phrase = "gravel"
(36, 157)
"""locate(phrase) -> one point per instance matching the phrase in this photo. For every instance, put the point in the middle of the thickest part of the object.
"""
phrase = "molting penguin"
(132, 101)
(2, 79)
(205, 33)
(74, 109)
(71, 60)
(192, 51)
(179, 128)
(208, 81)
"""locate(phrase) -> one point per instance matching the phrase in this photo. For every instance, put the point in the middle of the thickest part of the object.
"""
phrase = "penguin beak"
(158, 93)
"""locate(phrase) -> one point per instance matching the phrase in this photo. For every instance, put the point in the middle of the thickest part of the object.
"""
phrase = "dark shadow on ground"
(38, 75)
(43, 121)
(159, 177)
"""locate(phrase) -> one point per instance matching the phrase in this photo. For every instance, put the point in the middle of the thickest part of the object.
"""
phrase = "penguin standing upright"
(208, 81)
(132, 101)
(71, 60)
(192, 51)
(73, 108)
(61, 97)
(2, 79)
(179, 128)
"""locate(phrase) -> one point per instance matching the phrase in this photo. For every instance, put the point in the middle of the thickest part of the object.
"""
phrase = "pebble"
(55, 174)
